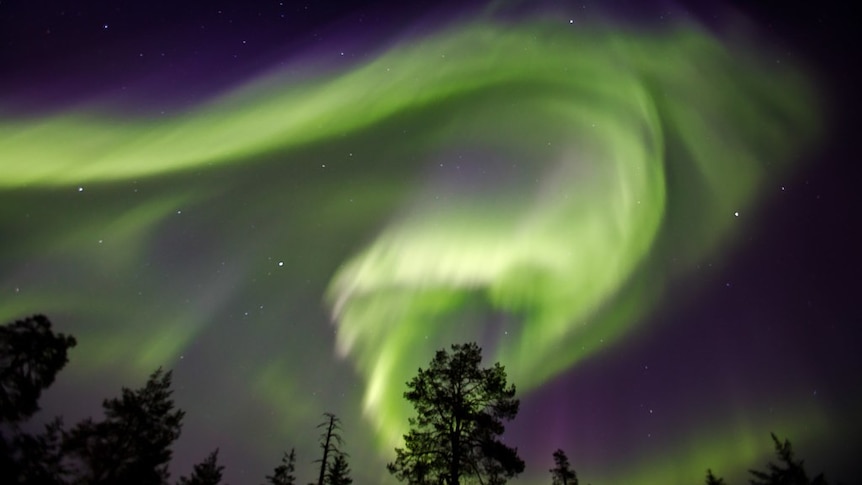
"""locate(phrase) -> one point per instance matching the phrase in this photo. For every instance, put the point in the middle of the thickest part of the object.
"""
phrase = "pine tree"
(712, 479)
(562, 473)
(31, 355)
(460, 409)
(283, 474)
(208, 472)
(338, 472)
(132, 444)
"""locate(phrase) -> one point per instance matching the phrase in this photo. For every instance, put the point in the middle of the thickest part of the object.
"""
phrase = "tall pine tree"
(562, 473)
(132, 445)
(460, 409)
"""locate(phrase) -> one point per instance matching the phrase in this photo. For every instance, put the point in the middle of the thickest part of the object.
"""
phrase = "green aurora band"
(598, 165)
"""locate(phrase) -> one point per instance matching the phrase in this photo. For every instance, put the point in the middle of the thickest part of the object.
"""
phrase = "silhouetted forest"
(460, 413)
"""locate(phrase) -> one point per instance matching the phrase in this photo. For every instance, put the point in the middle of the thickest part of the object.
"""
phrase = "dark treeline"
(454, 438)
(131, 445)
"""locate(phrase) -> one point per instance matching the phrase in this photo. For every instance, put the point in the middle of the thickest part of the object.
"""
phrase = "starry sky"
(644, 210)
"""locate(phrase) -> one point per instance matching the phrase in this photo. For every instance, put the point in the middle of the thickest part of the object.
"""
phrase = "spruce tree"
(788, 471)
(338, 472)
(208, 472)
(284, 473)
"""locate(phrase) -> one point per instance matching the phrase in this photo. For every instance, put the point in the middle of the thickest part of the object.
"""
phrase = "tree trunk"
(326, 450)
(455, 464)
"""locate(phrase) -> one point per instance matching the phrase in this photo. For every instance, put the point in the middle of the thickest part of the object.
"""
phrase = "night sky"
(647, 211)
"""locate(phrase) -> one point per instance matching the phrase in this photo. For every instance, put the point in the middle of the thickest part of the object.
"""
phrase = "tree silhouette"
(330, 442)
(562, 473)
(712, 479)
(36, 459)
(460, 409)
(31, 355)
(208, 472)
(283, 474)
(494, 473)
(338, 472)
(132, 444)
(788, 472)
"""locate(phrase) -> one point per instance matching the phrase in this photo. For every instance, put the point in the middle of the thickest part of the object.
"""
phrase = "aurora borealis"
(294, 205)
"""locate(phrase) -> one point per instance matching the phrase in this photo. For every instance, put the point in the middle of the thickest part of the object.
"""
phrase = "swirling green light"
(565, 256)
(605, 154)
